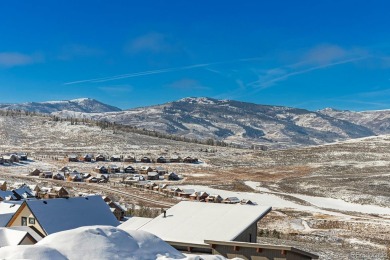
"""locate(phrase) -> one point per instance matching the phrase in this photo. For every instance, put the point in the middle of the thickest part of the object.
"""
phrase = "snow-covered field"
(334, 195)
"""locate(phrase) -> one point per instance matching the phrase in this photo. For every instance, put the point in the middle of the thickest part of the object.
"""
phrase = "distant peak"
(330, 109)
(81, 99)
(199, 100)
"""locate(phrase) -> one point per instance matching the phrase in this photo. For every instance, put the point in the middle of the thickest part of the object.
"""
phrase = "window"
(24, 221)
(31, 221)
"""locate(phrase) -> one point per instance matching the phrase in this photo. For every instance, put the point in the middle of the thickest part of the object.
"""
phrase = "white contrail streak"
(151, 72)
(137, 74)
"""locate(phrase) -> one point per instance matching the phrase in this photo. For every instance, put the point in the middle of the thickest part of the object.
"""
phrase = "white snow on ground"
(327, 203)
(99, 242)
(318, 204)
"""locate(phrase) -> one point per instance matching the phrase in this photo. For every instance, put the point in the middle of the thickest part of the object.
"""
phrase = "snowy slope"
(97, 242)
(86, 105)
(236, 122)
(377, 120)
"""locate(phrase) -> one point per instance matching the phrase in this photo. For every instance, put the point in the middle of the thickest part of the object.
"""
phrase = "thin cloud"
(13, 59)
(268, 83)
(152, 72)
(138, 74)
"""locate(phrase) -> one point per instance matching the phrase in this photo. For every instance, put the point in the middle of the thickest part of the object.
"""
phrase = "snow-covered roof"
(24, 192)
(7, 210)
(134, 223)
(56, 215)
(6, 195)
(29, 230)
(97, 242)
(9, 237)
(193, 222)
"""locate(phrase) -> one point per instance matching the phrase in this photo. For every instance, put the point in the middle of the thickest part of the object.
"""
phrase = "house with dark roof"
(55, 215)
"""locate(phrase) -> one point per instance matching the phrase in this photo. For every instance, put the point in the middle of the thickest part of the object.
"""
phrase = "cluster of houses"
(66, 174)
(190, 194)
(22, 191)
(129, 159)
(10, 158)
(33, 192)
(189, 226)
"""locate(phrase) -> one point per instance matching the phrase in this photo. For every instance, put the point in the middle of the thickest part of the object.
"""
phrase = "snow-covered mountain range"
(85, 105)
(229, 120)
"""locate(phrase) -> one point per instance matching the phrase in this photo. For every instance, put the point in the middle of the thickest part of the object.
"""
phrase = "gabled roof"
(193, 222)
(7, 210)
(24, 192)
(32, 231)
(7, 195)
(10, 237)
(56, 215)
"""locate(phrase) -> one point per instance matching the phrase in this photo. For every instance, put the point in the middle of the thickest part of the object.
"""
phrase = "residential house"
(161, 159)
(7, 210)
(1, 160)
(55, 215)
(3, 185)
(15, 236)
(64, 169)
(101, 169)
(153, 176)
(186, 193)
(193, 222)
(74, 177)
(189, 159)
(160, 187)
(160, 170)
(113, 168)
(173, 176)
(85, 175)
(248, 202)
(22, 156)
(35, 172)
(46, 174)
(150, 185)
(146, 160)
(231, 200)
(35, 189)
(24, 192)
(175, 159)
(59, 176)
(59, 192)
(117, 210)
(100, 158)
(92, 179)
(214, 198)
(73, 158)
(10, 158)
(129, 169)
(174, 191)
(7, 195)
(88, 157)
(130, 159)
(199, 195)
(115, 158)
(145, 169)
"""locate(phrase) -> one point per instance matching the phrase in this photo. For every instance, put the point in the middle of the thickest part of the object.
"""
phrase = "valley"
(331, 199)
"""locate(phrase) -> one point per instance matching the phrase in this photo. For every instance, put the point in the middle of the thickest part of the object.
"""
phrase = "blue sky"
(308, 54)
